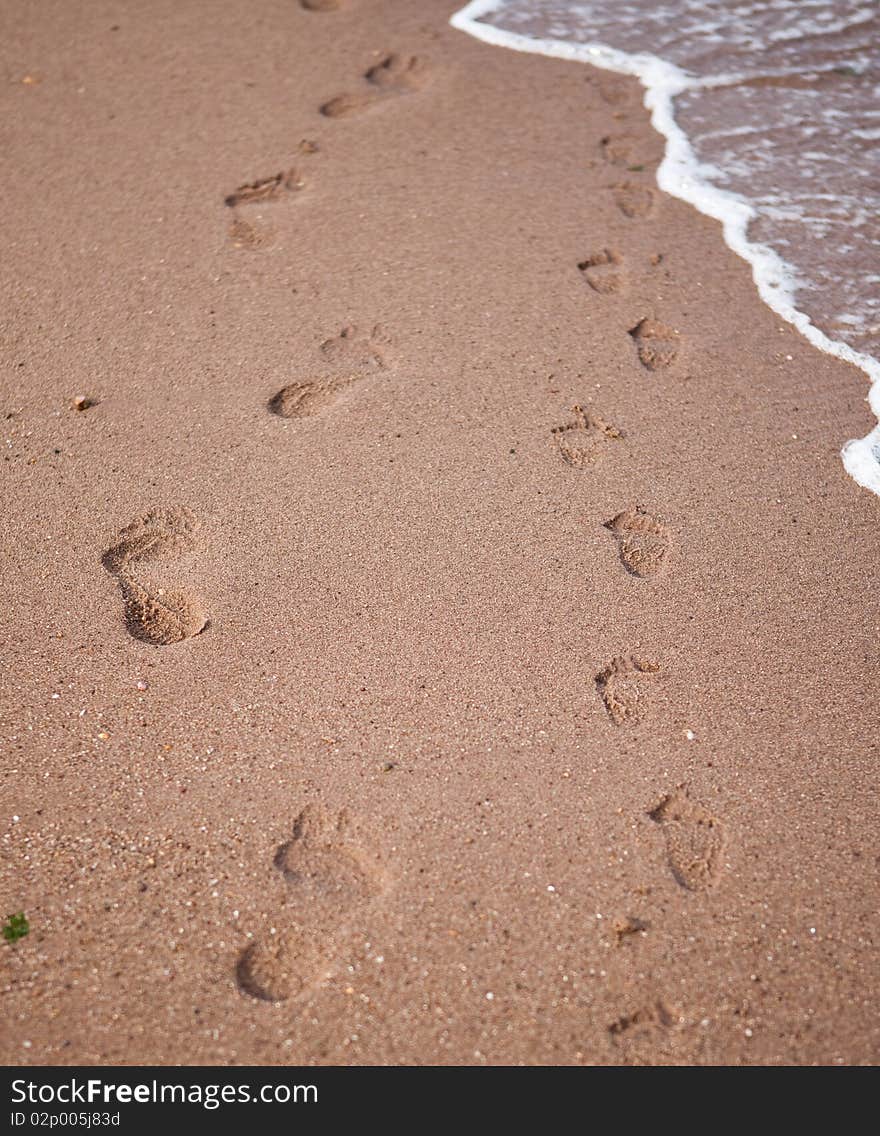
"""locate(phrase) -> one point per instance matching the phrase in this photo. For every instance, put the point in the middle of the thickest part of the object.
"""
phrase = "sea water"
(771, 114)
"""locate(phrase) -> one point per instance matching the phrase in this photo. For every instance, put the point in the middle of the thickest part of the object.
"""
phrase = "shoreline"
(679, 175)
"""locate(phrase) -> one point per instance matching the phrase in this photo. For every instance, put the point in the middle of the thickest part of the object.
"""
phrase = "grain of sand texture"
(450, 635)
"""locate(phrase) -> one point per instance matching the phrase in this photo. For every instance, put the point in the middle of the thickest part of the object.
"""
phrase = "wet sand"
(450, 636)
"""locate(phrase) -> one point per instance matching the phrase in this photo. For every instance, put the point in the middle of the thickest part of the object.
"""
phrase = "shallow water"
(772, 117)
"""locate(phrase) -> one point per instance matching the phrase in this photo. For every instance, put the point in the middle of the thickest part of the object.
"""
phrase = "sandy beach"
(443, 632)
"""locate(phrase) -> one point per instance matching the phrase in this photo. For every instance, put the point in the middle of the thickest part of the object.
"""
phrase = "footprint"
(614, 91)
(603, 271)
(393, 75)
(155, 614)
(582, 441)
(617, 149)
(634, 200)
(656, 344)
(245, 234)
(398, 73)
(156, 534)
(621, 686)
(340, 106)
(282, 967)
(333, 880)
(694, 840)
(254, 234)
(353, 350)
(161, 617)
(628, 927)
(265, 189)
(643, 541)
(645, 1033)
(325, 864)
(308, 397)
(360, 349)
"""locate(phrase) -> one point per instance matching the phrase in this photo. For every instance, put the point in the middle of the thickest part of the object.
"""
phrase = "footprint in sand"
(308, 397)
(615, 91)
(694, 840)
(253, 232)
(618, 149)
(333, 880)
(634, 200)
(646, 1032)
(603, 271)
(250, 235)
(265, 189)
(352, 350)
(283, 967)
(621, 686)
(657, 344)
(583, 440)
(642, 540)
(355, 348)
(393, 75)
(155, 614)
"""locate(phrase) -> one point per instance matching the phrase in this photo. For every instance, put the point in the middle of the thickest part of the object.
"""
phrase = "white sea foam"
(682, 175)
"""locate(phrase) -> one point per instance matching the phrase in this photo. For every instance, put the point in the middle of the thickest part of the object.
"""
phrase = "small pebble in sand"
(83, 402)
(141, 685)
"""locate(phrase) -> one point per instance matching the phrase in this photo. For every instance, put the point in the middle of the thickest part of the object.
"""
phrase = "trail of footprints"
(332, 878)
(393, 75)
(693, 838)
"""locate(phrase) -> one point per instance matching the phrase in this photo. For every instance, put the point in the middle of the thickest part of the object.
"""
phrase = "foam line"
(681, 175)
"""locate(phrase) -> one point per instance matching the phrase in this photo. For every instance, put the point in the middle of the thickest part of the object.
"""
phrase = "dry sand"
(515, 733)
